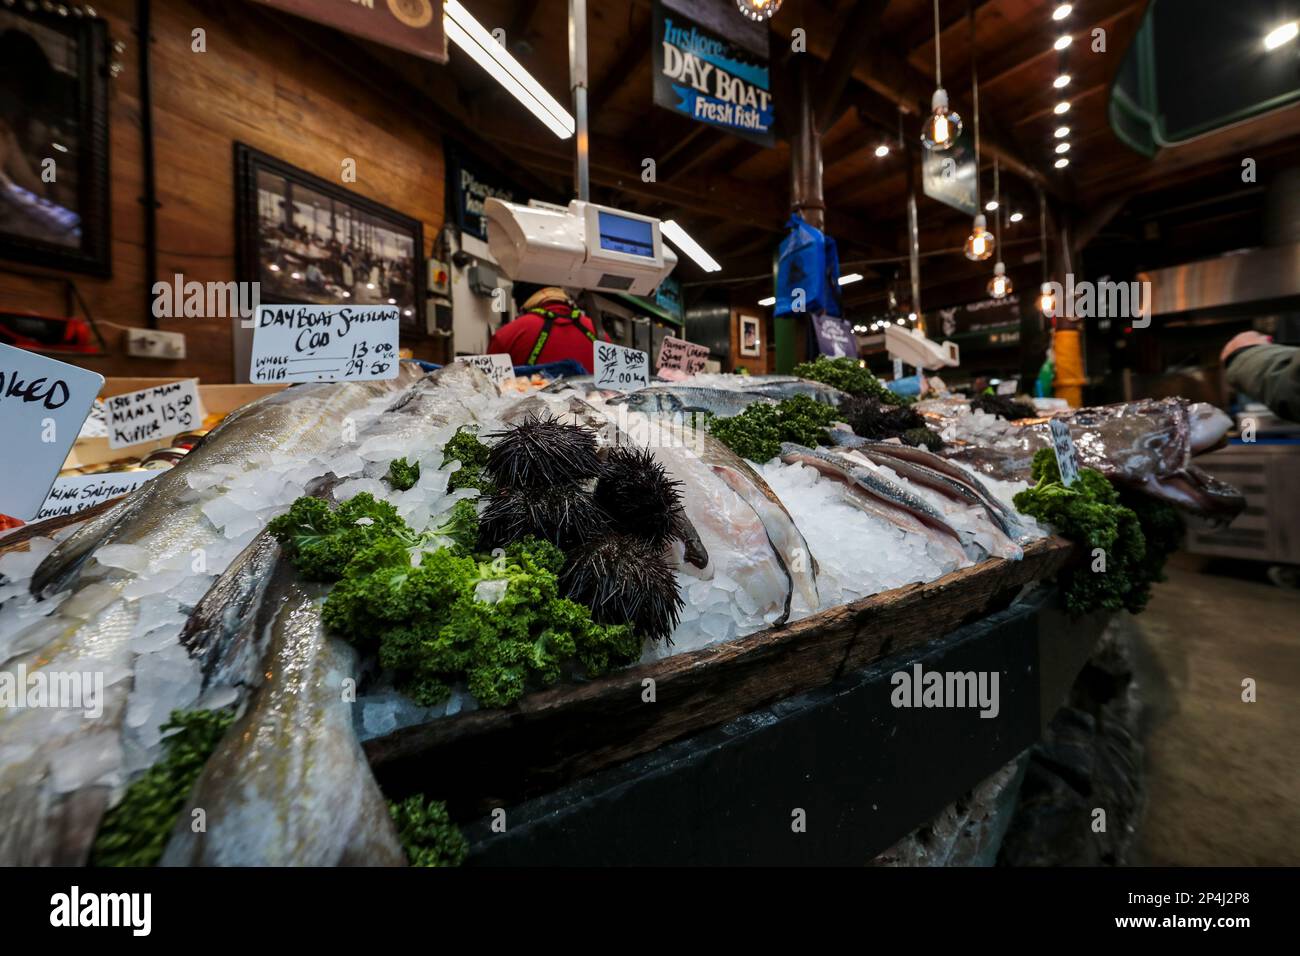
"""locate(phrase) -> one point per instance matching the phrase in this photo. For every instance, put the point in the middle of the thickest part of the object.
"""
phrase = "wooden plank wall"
(259, 83)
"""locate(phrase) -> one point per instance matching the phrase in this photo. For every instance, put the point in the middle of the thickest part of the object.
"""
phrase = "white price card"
(42, 406)
(153, 413)
(79, 492)
(324, 343)
(1009, 387)
(496, 366)
(620, 368)
(1067, 458)
(684, 356)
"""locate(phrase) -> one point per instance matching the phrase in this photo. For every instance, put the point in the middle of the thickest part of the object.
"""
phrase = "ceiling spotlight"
(850, 278)
(1017, 216)
(882, 150)
(770, 300)
(1062, 11)
(1062, 132)
(911, 316)
(991, 205)
(1283, 34)
(1062, 163)
(900, 321)
(1062, 147)
(1062, 81)
(1062, 107)
(1062, 41)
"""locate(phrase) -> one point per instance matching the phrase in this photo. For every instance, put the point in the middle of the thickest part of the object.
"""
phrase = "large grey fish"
(882, 492)
(685, 399)
(787, 540)
(58, 767)
(289, 784)
(819, 391)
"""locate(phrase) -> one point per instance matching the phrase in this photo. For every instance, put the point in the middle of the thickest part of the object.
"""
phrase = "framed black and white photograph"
(751, 342)
(54, 201)
(307, 240)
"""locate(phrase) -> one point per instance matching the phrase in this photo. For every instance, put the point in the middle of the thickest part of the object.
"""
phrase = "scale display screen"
(633, 237)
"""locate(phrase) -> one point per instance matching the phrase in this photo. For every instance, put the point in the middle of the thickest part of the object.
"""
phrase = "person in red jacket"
(550, 328)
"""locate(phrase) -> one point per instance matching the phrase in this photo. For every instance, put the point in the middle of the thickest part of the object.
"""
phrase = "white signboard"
(684, 356)
(1009, 387)
(79, 492)
(42, 406)
(153, 413)
(324, 343)
(1067, 458)
(620, 368)
(497, 366)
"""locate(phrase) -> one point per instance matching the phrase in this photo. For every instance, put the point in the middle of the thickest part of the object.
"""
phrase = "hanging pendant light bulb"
(942, 127)
(1047, 300)
(759, 9)
(979, 244)
(1000, 285)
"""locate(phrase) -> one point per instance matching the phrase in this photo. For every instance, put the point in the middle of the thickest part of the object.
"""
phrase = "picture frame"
(55, 205)
(308, 241)
(751, 337)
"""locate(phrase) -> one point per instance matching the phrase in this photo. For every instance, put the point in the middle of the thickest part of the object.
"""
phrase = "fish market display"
(337, 561)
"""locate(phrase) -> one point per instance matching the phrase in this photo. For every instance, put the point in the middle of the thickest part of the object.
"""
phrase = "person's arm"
(1266, 372)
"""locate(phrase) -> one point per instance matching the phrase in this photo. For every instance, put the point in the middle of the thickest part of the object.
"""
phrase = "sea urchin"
(539, 452)
(625, 579)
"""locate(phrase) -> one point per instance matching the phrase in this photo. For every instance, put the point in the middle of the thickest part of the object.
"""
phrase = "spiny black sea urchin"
(562, 514)
(636, 492)
(625, 580)
(539, 452)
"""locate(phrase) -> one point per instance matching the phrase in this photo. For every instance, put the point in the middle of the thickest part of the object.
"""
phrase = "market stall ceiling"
(733, 195)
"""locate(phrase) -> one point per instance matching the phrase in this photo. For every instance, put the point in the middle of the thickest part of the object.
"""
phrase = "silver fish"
(883, 492)
(684, 399)
(289, 784)
(55, 764)
(928, 469)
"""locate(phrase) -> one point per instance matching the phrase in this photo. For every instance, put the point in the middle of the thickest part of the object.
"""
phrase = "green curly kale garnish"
(1124, 549)
(847, 375)
(472, 454)
(437, 613)
(427, 833)
(757, 432)
(135, 832)
(402, 474)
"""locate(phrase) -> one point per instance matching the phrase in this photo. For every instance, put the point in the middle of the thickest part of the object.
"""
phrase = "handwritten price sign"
(496, 366)
(1067, 458)
(153, 413)
(325, 343)
(675, 353)
(42, 406)
(622, 369)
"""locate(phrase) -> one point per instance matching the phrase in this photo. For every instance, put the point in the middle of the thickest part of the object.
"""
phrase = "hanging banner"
(413, 26)
(713, 68)
(949, 175)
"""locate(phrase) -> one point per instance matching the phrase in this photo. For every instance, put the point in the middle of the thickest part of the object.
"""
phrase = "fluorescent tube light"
(468, 34)
(682, 240)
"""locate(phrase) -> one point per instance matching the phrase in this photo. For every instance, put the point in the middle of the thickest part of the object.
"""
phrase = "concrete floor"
(1223, 776)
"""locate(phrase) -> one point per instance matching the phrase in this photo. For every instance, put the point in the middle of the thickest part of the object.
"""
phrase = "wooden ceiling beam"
(862, 25)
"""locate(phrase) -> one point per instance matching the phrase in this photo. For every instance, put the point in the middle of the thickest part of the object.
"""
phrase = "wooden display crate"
(552, 737)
